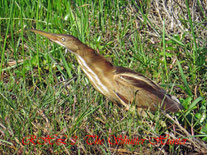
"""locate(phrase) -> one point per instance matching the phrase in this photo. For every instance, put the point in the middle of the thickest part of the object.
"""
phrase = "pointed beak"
(50, 36)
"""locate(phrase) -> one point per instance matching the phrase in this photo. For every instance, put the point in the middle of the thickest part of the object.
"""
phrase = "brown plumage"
(119, 84)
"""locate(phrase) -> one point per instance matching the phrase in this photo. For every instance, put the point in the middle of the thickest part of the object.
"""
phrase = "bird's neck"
(96, 67)
(88, 57)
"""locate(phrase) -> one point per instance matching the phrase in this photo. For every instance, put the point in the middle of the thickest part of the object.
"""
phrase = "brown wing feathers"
(139, 81)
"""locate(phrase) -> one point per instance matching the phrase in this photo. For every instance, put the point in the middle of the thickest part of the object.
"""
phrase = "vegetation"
(44, 93)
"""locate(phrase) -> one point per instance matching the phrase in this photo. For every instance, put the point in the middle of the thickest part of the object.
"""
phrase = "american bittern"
(119, 84)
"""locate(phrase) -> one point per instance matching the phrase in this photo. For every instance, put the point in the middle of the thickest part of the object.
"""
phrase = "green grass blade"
(187, 88)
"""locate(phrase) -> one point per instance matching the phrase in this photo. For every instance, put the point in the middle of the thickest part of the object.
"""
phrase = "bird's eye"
(63, 39)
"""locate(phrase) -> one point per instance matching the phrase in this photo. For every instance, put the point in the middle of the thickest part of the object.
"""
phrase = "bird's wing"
(146, 93)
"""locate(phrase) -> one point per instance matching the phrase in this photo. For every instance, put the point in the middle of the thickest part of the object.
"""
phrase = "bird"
(121, 85)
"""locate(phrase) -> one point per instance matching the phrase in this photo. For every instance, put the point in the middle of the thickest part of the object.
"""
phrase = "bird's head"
(67, 41)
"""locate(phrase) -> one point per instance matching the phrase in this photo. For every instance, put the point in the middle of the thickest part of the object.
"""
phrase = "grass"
(43, 91)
